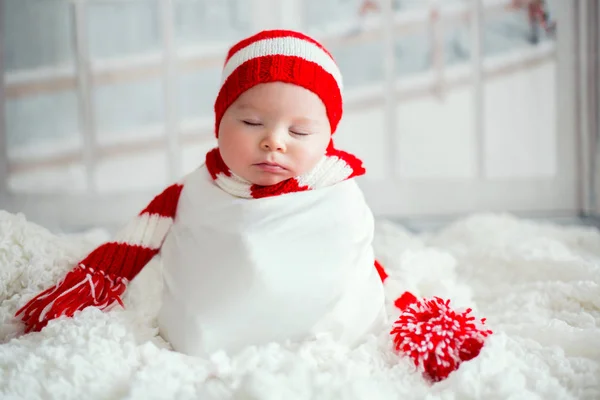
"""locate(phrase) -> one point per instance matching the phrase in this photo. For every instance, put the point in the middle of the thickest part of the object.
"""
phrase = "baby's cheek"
(316, 156)
(305, 165)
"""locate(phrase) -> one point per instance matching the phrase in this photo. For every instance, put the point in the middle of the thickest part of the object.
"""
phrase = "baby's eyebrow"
(305, 120)
(246, 106)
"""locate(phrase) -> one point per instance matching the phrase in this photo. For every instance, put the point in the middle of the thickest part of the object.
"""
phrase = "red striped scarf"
(101, 278)
(336, 166)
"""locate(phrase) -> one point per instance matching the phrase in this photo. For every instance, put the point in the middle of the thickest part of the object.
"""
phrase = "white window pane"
(331, 16)
(413, 53)
(436, 139)
(128, 106)
(361, 64)
(520, 125)
(405, 5)
(193, 155)
(369, 147)
(415, 50)
(119, 28)
(511, 31)
(457, 43)
(141, 171)
(197, 93)
(37, 33)
(42, 125)
(198, 22)
(60, 179)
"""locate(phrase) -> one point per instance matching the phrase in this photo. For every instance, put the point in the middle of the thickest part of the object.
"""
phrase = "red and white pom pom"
(436, 337)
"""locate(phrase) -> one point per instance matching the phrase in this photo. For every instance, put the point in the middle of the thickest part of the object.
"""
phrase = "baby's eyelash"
(300, 133)
(251, 123)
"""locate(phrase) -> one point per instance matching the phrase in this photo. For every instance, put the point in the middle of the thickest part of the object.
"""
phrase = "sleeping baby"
(270, 239)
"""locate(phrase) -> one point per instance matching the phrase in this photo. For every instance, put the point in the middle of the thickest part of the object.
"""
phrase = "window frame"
(177, 133)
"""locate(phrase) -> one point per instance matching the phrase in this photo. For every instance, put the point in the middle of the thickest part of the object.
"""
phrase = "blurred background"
(456, 106)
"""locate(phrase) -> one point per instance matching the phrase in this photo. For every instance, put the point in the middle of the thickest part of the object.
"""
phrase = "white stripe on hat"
(285, 46)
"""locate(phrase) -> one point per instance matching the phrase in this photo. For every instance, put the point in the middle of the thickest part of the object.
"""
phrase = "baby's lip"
(271, 164)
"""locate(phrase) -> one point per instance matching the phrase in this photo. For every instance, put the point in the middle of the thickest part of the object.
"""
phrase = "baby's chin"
(268, 179)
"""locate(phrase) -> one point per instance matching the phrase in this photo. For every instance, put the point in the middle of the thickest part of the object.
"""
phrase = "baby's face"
(273, 132)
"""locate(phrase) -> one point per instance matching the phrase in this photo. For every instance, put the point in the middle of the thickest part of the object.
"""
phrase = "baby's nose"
(272, 143)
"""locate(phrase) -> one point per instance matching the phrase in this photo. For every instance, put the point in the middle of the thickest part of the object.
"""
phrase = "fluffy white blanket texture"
(536, 283)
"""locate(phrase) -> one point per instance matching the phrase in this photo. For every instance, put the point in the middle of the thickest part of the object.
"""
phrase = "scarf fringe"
(80, 288)
(102, 276)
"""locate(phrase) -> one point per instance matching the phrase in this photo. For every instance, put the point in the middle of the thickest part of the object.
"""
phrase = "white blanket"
(254, 271)
(538, 286)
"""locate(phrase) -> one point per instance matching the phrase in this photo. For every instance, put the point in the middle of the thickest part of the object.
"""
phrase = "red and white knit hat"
(281, 56)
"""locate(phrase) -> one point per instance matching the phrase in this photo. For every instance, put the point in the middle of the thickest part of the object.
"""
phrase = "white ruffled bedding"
(537, 285)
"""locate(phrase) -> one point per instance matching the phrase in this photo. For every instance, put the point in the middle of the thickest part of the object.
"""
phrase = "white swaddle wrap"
(241, 272)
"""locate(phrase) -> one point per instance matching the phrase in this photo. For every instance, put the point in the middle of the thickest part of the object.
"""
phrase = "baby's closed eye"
(299, 132)
(250, 122)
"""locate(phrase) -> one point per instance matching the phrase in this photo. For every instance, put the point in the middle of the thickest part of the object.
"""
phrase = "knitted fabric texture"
(434, 336)
(336, 166)
(276, 55)
(281, 56)
(101, 278)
